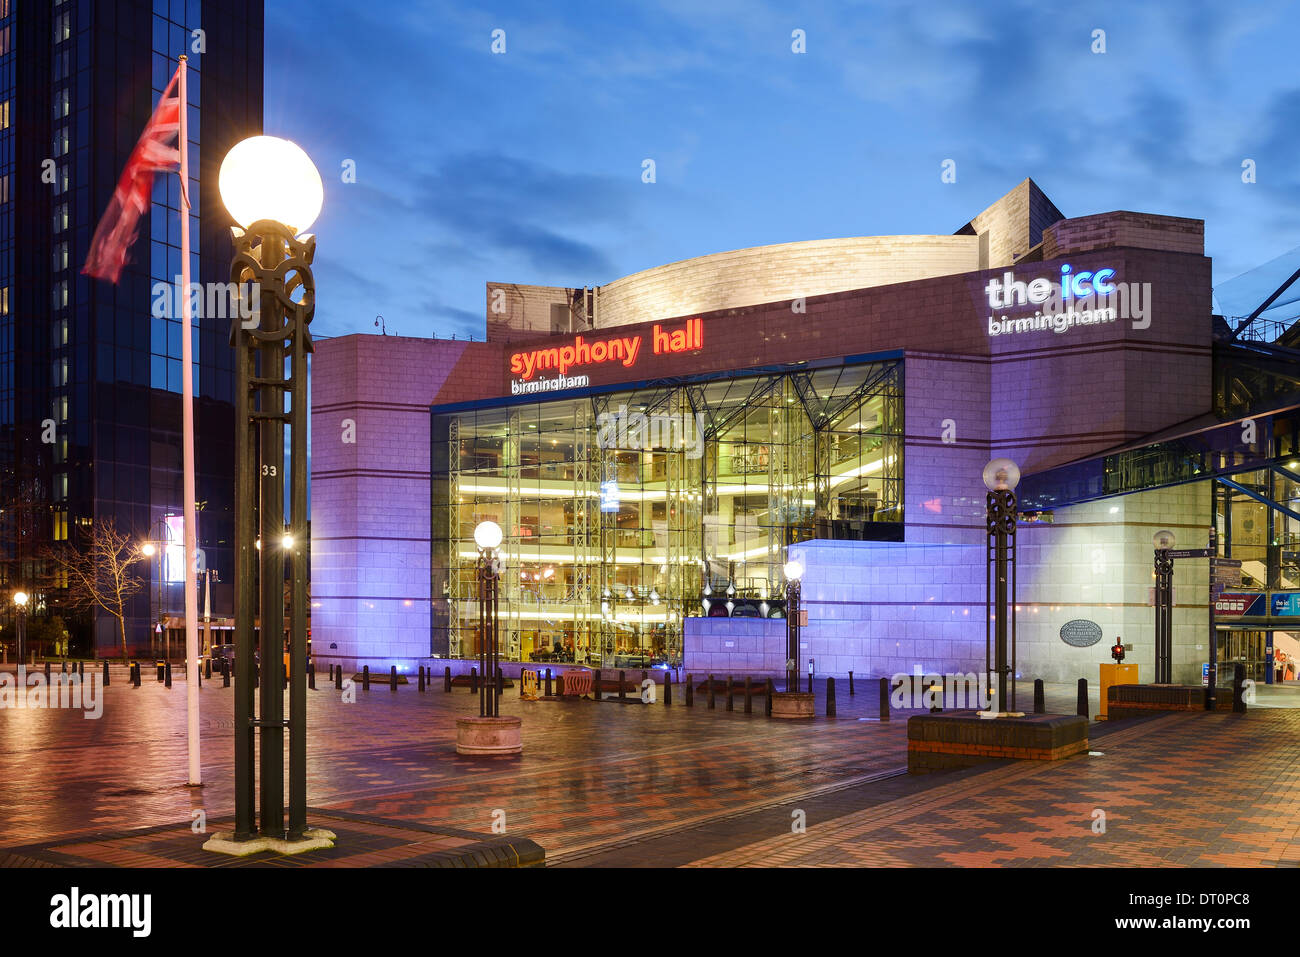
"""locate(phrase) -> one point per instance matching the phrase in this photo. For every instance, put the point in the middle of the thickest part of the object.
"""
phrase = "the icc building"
(659, 445)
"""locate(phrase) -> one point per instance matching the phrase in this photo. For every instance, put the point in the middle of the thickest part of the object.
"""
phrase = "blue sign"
(1286, 604)
(609, 501)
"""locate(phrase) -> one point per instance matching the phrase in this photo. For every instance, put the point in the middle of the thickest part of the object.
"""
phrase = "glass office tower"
(623, 511)
(99, 362)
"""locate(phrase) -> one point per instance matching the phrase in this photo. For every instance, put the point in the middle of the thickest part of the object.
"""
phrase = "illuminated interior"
(621, 509)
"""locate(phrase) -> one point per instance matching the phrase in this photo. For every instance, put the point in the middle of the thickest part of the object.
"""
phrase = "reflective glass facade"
(619, 509)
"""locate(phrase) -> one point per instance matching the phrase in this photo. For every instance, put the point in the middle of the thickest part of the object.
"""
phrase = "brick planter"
(960, 739)
(1137, 701)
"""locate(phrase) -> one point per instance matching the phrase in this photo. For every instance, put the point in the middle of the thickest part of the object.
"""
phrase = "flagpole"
(187, 418)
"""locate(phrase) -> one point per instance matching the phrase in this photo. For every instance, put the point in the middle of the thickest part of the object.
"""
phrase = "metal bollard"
(621, 695)
(106, 673)
(311, 675)
(668, 689)
(63, 666)
(159, 667)
(771, 688)
(690, 691)
(207, 668)
(1082, 706)
(731, 705)
(548, 682)
(199, 672)
(712, 693)
(338, 677)
(850, 684)
(167, 681)
(392, 677)
(1040, 699)
(595, 683)
(135, 673)
(446, 679)
(830, 696)
(473, 680)
(749, 696)
(365, 677)
(225, 675)
(501, 682)
(884, 699)
(1238, 689)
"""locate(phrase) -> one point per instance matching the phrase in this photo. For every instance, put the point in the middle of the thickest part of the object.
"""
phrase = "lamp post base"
(313, 839)
(793, 704)
(502, 735)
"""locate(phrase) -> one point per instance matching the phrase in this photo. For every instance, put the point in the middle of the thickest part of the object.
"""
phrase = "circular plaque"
(1081, 633)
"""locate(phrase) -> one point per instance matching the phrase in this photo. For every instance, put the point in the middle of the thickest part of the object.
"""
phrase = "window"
(4, 40)
(61, 487)
(62, 104)
(4, 188)
(4, 301)
(59, 373)
(4, 115)
(62, 27)
(60, 256)
(61, 181)
(60, 217)
(60, 294)
(61, 526)
(59, 332)
(60, 139)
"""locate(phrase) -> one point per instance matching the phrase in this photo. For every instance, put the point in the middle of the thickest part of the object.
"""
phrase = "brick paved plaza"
(609, 784)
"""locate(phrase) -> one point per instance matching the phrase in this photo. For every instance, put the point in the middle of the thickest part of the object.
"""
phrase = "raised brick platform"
(960, 739)
(1137, 701)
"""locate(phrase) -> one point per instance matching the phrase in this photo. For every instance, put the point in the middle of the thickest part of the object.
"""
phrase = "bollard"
(501, 682)
(421, 679)
(47, 673)
(936, 700)
(850, 684)
(548, 683)
(207, 668)
(225, 676)
(731, 705)
(392, 677)
(473, 680)
(81, 670)
(884, 699)
(668, 689)
(167, 681)
(197, 671)
(749, 699)
(1238, 689)
(105, 672)
(63, 666)
(1040, 701)
(446, 679)
(595, 683)
(830, 696)
(1082, 707)
(771, 687)
(690, 692)
(158, 666)
(711, 693)
(621, 696)
(257, 674)
(365, 677)
(338, 677)
(311, 675)
(135, 674)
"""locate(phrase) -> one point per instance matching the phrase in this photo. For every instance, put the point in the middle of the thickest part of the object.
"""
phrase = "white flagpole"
(187, 417)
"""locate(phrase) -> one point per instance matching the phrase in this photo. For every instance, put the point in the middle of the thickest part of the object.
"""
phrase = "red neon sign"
(624, 349)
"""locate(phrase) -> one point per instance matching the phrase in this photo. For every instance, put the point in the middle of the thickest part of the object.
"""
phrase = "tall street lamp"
(793, 573)
(487, 536)
(273, 191)
(1164, 569)
(20, 604)
(1001, 476)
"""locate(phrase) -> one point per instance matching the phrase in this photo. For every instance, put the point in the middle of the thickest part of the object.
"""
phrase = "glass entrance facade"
(620, 509)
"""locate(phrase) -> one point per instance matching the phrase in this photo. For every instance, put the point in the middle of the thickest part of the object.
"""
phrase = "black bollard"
(365, 677)
(105, 672)
(199, 672)
(548, 683)
(473, 680)
(421, 679)
(712, 693)
(392, 678)
(47, 673)
(225, 675)
(850, 684)
(167, 681)
(668, 688)
(771, 688)
(135, 674)
(207, 668)
(830, 697)
(621, 696)
(63, 666)
(159, 667)
(1040, 701)
(311, 675)
(936, 699)
(501, 682)
(446, 679)
(731, 705)
(884, 699)
(749, 696)
(1082, 707)
(595, 683)
(690, 692)
(1239, 688)
(81, 670)
(338, 677)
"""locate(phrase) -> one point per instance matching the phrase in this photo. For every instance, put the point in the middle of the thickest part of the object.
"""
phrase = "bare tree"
(101, 575)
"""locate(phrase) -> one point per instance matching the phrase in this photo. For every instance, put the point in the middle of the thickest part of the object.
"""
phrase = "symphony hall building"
(655, 448)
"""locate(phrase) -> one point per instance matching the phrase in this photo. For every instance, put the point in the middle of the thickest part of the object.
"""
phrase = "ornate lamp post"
(20, 604)
(1164, 569)
(487, 536)
(793, 573)
(273, 191)
(1001, 476)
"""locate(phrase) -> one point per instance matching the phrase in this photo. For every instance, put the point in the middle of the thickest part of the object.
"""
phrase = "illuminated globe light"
(1001, 475)
(793, 570)
(487, 535)
(265, 177)
(287, 541)
(20, 599)
(148, 549)
(1163, 539)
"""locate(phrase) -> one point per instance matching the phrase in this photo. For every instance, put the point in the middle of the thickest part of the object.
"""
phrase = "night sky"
(527, 166)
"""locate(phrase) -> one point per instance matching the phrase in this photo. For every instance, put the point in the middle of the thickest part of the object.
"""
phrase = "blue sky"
(527, 166)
